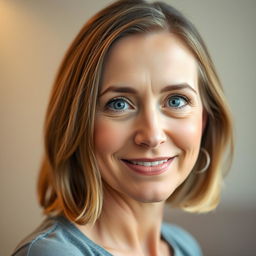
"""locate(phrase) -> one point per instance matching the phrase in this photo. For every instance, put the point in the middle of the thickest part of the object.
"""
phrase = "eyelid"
(118, 98)
(186, 98)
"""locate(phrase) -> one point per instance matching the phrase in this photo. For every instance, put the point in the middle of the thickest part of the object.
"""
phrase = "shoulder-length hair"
(69, 181)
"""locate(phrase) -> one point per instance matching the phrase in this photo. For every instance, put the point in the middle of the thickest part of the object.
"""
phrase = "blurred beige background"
(34, 35)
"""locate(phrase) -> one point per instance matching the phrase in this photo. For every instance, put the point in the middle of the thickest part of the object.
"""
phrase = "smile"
(149, 167)
(154, 163)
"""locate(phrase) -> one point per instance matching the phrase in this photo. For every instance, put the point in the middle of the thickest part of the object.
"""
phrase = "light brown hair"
(69, 180)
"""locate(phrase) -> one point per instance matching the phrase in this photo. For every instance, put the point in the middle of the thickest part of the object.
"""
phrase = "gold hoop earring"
(207, 163)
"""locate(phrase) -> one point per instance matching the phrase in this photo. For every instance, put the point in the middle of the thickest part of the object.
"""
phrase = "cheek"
(108, 136)
(189, 133)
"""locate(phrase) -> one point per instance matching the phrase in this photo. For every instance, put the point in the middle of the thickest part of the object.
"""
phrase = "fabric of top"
(57, 236)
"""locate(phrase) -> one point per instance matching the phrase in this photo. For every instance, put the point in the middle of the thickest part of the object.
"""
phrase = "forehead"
(162, 43)
(159, 55)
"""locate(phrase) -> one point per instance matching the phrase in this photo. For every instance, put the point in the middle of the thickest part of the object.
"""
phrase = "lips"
(149, 167)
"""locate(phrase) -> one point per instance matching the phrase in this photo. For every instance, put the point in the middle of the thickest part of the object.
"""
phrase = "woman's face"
(149, 119)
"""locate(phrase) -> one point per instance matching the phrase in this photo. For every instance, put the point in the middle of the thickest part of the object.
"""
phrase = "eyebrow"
(119, 89)
(178, 87)
(134, 91)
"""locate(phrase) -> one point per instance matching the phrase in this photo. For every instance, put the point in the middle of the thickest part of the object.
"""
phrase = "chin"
(152, 197)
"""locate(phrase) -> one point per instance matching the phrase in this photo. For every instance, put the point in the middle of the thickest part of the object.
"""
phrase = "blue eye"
(177, 102)
(118, 104)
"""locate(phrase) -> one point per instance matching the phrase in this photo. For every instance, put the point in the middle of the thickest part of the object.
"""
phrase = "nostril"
(147, 140)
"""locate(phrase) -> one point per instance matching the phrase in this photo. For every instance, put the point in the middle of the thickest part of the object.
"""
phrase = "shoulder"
(51, 238)
(40, 248)
(181, 240)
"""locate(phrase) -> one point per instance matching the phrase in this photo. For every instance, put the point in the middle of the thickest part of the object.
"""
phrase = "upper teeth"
(149, 163)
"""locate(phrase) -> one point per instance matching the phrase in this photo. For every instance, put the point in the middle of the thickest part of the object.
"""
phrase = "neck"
(126, 226)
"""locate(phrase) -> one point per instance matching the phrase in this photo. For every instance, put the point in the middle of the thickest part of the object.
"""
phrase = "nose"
(149, 132)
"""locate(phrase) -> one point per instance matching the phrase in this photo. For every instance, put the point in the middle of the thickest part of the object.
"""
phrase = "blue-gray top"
(59, 237)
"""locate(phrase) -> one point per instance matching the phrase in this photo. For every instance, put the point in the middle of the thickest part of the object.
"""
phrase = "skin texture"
(161, 117)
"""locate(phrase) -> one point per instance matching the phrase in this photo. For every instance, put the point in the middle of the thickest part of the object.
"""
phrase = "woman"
(137, 118)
